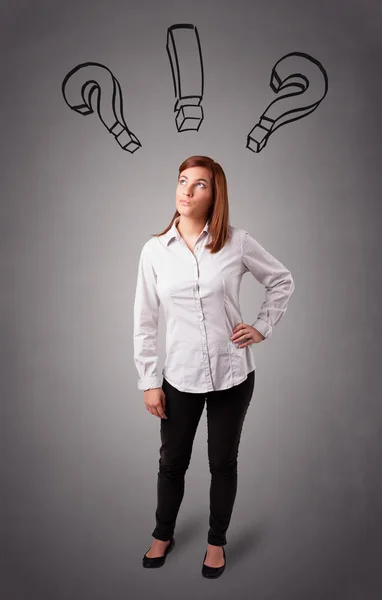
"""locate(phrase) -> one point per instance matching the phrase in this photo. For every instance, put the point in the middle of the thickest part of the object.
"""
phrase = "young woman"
(194, 269)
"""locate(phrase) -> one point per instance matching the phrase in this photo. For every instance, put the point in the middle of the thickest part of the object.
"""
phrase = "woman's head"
(190, 171)
(202, 182)
(194, 196)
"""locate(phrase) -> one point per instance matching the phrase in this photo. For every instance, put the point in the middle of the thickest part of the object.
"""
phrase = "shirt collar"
(174, 233)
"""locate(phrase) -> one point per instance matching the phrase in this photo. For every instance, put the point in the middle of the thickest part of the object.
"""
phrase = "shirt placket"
(200, 314)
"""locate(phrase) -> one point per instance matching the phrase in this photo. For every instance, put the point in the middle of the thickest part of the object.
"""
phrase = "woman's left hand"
(246, 334)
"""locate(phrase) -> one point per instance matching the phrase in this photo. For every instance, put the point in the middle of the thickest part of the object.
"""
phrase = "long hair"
(218, 214)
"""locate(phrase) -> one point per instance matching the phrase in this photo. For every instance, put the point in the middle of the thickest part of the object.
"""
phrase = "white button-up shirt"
(199, 293)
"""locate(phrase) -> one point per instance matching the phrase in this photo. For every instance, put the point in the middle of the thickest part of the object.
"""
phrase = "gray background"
(80, 452)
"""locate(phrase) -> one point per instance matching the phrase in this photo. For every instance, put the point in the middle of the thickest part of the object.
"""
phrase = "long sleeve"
(146, 318)
(276, 278)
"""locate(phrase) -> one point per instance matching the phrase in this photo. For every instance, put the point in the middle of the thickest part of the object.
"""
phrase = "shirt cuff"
(149, 383)
(264, 328)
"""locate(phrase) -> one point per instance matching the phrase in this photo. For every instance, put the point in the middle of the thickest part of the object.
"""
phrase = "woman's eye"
(199, 182)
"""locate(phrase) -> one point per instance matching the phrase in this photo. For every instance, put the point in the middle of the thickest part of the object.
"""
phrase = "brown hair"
(219, 211)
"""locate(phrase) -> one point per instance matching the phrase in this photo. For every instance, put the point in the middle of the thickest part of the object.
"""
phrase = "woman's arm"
(146, 318)
(276, 278)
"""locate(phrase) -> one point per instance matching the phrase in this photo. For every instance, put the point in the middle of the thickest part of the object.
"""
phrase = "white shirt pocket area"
(200, 321)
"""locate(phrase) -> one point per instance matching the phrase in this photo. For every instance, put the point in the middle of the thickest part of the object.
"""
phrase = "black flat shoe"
(158, 561)
(213, 572)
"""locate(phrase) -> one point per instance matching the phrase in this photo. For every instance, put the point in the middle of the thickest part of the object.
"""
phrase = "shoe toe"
(212, 572)
(158, 561)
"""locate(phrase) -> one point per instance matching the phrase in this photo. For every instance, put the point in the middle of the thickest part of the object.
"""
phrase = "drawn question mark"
(91, 78)
(185, 55)
(308, 78)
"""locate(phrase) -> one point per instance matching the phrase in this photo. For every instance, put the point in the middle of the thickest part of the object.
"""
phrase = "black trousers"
(226, 410)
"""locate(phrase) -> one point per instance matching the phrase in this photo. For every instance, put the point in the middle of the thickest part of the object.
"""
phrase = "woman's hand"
(246, 335)
(155, 401)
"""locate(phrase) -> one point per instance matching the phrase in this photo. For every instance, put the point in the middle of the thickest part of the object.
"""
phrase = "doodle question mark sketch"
(92, 80)
(185, 55)
(308, 78)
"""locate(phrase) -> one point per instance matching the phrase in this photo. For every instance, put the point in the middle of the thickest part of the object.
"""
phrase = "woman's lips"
(185, 203)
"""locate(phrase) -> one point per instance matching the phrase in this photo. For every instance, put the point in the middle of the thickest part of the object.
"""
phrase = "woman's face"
(194, 187)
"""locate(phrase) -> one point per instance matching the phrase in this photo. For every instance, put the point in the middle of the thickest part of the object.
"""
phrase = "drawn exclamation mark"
(184, 51)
